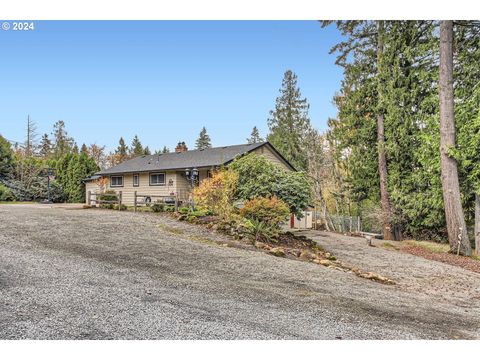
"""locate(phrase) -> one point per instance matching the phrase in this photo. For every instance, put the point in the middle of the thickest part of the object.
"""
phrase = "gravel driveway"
(68, 273)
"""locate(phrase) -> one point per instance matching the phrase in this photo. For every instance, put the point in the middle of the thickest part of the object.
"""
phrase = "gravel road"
(68, 273)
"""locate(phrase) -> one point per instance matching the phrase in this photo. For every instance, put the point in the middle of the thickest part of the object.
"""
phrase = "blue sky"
(162, 80)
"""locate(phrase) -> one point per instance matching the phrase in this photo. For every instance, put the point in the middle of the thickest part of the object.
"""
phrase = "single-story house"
(170, 174)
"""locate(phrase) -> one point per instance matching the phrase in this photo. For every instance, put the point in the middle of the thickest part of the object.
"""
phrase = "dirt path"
(95, 274)
(442, 282)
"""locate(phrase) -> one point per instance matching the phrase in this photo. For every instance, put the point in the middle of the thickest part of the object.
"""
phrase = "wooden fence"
(96, 198)
(147, 199)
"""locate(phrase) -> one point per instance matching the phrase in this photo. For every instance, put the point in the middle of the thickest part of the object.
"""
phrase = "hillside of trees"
(404, 150)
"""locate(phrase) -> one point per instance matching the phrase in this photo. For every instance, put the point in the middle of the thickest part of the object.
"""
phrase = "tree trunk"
(389, 232)
(456, 226)
(477, 224)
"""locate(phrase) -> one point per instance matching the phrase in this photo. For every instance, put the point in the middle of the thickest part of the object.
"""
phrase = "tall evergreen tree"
(84, 149)
(255, 136)
(203, 141)
(45, 147)
(136, 149)
(62, 142)
(397, 83)
(146, 151)
(289, 122)
(122, 150)
(75, 148)
(165, 150)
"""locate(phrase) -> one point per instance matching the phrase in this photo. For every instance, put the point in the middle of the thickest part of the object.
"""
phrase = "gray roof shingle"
(188, 159)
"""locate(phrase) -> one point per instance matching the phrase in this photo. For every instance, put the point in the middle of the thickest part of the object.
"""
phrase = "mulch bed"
(448, 258)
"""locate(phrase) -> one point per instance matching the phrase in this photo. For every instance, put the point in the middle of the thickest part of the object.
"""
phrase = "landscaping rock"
(307, 255)
(323, 262)
(262, 245)
(277, 252)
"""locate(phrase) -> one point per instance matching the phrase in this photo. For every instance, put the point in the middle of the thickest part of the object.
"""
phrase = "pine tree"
(146, 151)
(122, 151)
(45, 147)
(84, 149)
(165, 150)
(63, 143)
(75, 148)
(395, 88)
(255, 136)
(289, 122)
(136, 149)
(203, 141)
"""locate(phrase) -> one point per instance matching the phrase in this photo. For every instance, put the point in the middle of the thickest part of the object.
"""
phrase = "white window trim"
(116, 176)
(157, 173)
(138, 180)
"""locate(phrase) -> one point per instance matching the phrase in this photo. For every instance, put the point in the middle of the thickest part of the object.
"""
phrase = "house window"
(157, 179)
(136, 180)
(116, 181)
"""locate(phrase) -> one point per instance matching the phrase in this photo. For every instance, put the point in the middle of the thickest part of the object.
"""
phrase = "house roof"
(188, 159)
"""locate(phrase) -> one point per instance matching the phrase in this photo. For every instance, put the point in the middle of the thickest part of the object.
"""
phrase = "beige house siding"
(144, 187)
(270, 155)
(176, 184)
(92, 187)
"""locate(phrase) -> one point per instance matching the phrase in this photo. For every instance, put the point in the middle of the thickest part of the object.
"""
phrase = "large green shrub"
(6, 158)
(270, 211)
(158, 207)
(35, 189)
(259, 177)
(6, 194)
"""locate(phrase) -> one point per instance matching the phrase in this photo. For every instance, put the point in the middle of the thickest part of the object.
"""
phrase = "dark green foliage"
(45, 147)
(258, 177)
(63, 144)
(158, 207)
(6, 193)
(203, 141)
(289, 122)
(408, 77)
(70, 170)
(136, 149)
(255, 136)
(34, 190)
(122, 150)
(6, 158)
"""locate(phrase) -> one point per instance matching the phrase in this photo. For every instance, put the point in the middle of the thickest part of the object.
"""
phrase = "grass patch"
(171, 229)
(202, 240)
(476, 257)
(433, 247)
(17, 202)
(389, 246)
